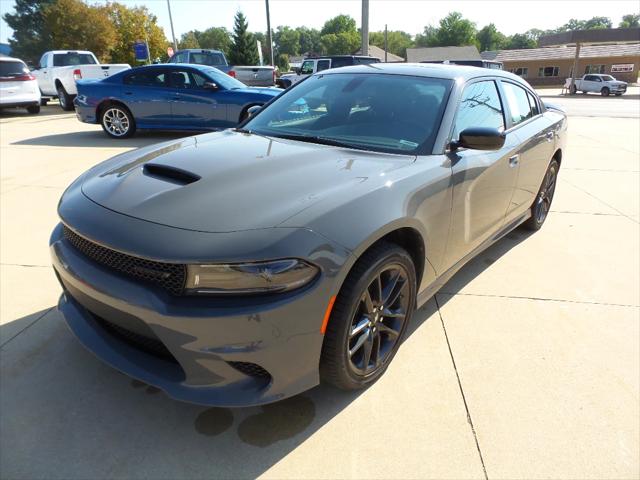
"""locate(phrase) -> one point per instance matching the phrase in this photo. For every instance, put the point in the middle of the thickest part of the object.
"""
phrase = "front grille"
(170, 276)
(250, 369)
(149, 345)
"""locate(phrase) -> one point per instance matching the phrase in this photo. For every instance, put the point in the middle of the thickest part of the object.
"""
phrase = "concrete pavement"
(526, 365)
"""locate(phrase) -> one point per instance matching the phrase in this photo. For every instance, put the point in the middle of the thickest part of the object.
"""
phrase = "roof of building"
(489, 54)
(378, 52)
(430, 54)
(568, 52)
(592, 36)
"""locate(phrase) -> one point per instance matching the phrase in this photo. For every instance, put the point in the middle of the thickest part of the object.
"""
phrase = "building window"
(521, 71)
(594, 69)
(548, 71)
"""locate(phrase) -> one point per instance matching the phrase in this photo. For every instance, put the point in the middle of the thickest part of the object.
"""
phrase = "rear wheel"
(369, 318)
(66, 101)
(605, 91)
(117, 122)
(33, 109)
(542, 204)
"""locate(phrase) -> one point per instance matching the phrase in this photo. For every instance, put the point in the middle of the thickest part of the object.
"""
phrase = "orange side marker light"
(327, 314)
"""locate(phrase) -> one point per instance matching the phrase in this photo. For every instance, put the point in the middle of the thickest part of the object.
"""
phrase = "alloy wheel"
(378, 320)
(545, 196)
(116, 122)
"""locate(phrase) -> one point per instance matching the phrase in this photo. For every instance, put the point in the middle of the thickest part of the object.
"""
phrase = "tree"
(397, 41)
(598, 22)
(428, 38)
(287, 40)
(217, 38)
(339, 36)
(309, 40)
(133, 25)
(282, 62)
(521, 40)
(189, 40)
(339, 24)
(30, 40)
(630, 20)
(456, 31)
(243, 51)
(489, 38)
(74, 25)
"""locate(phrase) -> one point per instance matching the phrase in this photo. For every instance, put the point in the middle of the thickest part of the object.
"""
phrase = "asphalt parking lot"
(525, 365)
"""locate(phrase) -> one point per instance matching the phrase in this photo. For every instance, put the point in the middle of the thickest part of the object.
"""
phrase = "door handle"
(513, 161)
(549, 136)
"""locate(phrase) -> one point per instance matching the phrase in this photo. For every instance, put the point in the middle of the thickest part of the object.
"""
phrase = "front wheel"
(542, 204)
(369, 318)
(117, 122)
(605, 92)
(66, 101)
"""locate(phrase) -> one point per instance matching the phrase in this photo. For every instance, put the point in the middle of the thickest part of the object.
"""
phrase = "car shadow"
(61, 408)
(99, 139)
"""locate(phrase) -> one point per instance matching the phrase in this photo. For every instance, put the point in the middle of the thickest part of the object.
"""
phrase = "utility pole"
(173, 35)
(365, 27)
(385, 43)
(269, 33)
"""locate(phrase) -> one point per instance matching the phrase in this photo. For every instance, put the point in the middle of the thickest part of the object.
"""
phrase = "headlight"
(249, 278)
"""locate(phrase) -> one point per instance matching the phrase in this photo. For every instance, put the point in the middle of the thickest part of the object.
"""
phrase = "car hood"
(229, 181)
(271, 91)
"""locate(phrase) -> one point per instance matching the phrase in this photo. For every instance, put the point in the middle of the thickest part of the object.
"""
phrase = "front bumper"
(219, 350)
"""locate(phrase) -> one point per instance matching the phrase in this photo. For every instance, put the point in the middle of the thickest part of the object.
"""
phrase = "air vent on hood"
(170, 174)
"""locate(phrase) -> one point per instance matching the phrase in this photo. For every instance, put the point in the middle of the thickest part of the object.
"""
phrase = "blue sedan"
(167, 97)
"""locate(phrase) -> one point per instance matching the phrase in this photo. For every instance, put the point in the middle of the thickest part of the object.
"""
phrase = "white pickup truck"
(59, 70)
(599, 83)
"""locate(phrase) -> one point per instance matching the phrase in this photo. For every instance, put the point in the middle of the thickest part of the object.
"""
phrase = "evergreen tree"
(30, 39)
(244, 50)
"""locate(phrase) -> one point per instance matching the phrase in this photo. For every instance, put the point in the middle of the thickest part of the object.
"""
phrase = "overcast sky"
(510, 16)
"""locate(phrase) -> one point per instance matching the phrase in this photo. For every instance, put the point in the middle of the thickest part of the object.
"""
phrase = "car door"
(483, 181)
(147, 94)
(591, 84)
(194, 104)
(44, 74)
(536, 137)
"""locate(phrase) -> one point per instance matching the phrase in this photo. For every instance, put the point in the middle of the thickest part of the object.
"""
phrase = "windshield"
(379, 112)
(68, 59)
(222, 79)
(607, 78)
(208, 58)
(13, 69)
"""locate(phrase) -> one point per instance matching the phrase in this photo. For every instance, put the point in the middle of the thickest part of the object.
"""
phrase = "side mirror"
(479, 138)
(251, 111)
(210, 86)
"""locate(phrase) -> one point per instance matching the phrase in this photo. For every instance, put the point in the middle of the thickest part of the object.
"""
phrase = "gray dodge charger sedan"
(245, 266)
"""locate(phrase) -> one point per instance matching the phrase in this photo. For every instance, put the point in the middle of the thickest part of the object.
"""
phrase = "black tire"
(116, 121)
(605, 91)
(618, 94)
(542, 204)
(66, 101)
(33, 109)
(44, 101)
(349, 323)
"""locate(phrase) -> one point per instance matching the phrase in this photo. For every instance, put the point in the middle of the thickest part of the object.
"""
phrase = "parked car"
(254, 76)
(60, 69)
(242, 267)
(599, 83)
(167, 97)
(314, 65)
(18, 87)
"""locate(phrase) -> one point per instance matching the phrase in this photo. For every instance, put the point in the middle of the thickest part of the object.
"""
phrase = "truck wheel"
(43, 100)
(605, 91)
(66, 101)
(33, 109)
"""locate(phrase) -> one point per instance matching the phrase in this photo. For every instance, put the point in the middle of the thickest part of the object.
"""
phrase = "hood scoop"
(170, 174)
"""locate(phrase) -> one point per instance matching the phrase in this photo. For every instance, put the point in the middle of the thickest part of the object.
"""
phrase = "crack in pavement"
(3, 344)
(542, 299)
(464, 399)
(24, 265)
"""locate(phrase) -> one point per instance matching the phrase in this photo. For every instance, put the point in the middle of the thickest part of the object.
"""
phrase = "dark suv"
(317, 64)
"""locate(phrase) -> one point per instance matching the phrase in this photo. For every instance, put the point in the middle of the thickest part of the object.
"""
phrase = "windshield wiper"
(317, 139)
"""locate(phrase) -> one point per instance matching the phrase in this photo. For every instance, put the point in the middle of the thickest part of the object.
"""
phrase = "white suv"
(18, 88)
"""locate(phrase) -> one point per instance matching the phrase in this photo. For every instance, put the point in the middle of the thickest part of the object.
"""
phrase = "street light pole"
(269, 33)
(385, 43)
(173, 35)
(365, 27)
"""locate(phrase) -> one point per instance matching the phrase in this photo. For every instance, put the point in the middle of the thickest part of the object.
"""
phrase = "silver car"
(245, 266)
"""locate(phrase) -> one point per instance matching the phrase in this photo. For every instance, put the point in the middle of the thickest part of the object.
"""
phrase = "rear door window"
(518, 101)
(480, 106)
(72, 58)
(323, 65)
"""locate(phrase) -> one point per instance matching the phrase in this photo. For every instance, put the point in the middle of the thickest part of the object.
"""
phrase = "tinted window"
(208, 58)
(365, 60)
(146, 78)
(307, 67)
(323, 65)
(480, 107)
(187, 79)
(67, 59)
(341, 62)
(387, 113)
(182, 57)
(548, 71)
(13, 69)
(518, 101)
(608, 78)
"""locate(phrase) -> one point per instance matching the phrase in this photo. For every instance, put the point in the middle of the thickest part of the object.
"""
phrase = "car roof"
(437, 70)
(10, 59)
(208, 50)
(69, 51)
